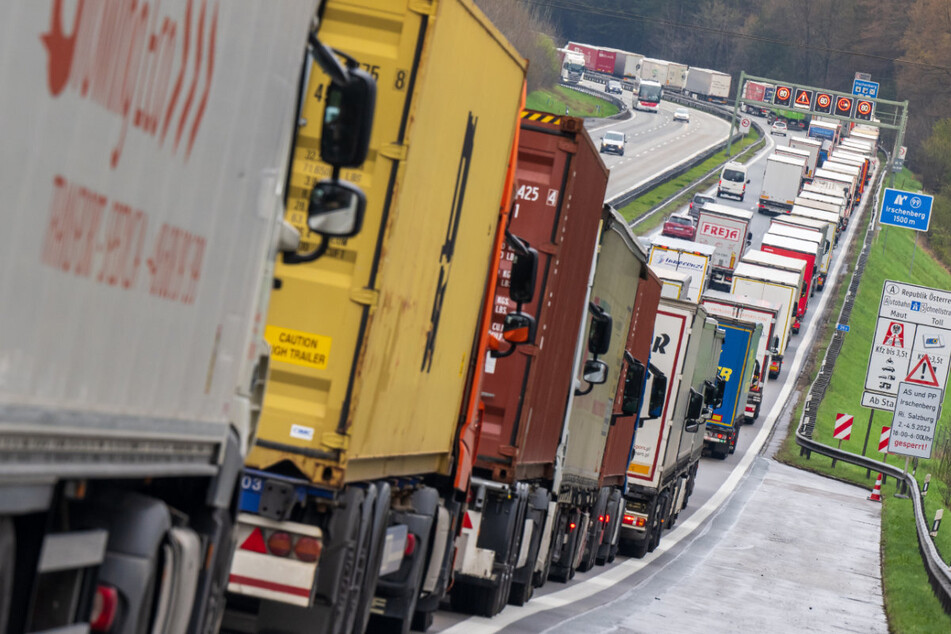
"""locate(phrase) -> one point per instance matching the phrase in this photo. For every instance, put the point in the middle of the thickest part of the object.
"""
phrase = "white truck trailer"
(684, 256)
(778, 287)
(726, 229)
(659, 473)
(781, 183)
(142, 170)
(708, 85)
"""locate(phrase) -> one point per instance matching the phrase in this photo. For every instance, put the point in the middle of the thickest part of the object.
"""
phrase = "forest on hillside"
(905, 45)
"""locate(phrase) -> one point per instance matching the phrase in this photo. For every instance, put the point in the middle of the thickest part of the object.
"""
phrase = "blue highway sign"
(906, 210)
(842, 327)
(864, 88)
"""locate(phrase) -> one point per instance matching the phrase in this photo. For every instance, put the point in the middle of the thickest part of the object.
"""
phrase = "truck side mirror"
(599, 338)
(709, 394)
(655, 406)
(633, 386)
(517, 329)
(774, 346)
(721, 390)
(524, 271)
(348, 119)
(336, 208)
(694, 411)
(594, 373)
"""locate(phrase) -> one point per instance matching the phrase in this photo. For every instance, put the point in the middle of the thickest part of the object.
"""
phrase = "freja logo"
(152, 70)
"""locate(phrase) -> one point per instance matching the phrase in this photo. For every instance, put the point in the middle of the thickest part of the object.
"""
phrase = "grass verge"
(686, 185)
(909, 601)
(579, 104)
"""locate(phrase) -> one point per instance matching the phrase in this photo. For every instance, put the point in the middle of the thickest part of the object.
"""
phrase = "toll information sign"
(912, 342)
(916, 416)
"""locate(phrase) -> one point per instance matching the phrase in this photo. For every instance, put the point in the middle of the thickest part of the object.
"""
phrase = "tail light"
(410, 545)
(308, 549)
(105, 605)
(572, 526)
(279, 544)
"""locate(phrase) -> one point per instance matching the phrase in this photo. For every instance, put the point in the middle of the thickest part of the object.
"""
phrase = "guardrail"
(625, 111)
(682, 168)
(938, 572)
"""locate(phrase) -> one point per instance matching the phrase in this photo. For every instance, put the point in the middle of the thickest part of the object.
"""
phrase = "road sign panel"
(865, 76)
(823, 103)
(843, 427)
(923, 373)
(883, 402)
(907, 210)
(864, 109)
(803, 99)
(842, 327)
(902, 152)
(782, 96)
(864, 88)
(916, 304)
(891, 351)
(883, 439)
(843, 106)
(916, 416)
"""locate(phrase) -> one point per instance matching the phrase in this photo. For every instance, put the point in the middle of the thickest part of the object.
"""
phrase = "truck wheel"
(640, 548)
(469, 598)
(8, 546)
(371, 551)
(521, 593)
(657, 526)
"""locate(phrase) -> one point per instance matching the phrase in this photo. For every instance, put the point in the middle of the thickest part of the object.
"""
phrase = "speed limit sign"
(745, 125)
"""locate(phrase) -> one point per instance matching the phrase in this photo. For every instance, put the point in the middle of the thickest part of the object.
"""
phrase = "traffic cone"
(876, 495)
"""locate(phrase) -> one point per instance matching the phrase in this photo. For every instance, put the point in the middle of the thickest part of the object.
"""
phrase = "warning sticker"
(299, 348)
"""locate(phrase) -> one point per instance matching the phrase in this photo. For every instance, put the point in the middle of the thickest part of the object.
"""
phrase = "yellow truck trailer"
(375, 343)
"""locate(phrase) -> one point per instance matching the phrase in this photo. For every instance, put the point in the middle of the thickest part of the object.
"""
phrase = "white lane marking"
(683, 529)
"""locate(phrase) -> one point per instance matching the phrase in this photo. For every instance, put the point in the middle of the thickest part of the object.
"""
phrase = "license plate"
(251, 488)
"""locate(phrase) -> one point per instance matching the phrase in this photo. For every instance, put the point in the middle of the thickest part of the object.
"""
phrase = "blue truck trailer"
(736, 368)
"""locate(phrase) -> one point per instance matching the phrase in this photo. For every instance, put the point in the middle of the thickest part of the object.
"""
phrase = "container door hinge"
(335, 441)
(508, 450)
(423, 7)
(366, 296)
(395, 151)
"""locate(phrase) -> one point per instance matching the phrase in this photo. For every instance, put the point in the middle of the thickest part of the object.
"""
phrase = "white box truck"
(659, 474)
(781, 183)
(726, 229)
(810, 145)
(683, 256)
(778, 287)
(708, 85)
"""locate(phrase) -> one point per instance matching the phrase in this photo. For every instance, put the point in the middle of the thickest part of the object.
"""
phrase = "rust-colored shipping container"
(617, 451)
(560, 183)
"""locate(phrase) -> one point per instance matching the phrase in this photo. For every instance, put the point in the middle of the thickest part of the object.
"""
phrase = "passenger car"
(682, 114)
(698, 201)
(613, 142)
(613, 86)
(779, 127)
(680, 227)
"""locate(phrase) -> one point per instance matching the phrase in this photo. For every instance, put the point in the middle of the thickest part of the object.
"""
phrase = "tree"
(530, 30)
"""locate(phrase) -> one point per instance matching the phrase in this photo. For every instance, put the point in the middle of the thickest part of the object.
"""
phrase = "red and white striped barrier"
(843, 427)
(883, 439)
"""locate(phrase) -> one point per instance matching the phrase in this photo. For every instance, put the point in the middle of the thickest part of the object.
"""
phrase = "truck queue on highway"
(433, 365)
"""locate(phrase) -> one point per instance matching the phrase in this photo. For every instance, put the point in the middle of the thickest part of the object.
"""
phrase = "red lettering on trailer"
(719, 231)
(120, 55)
(93, 237)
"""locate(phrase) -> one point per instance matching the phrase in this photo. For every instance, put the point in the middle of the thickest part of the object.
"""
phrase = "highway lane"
(717, 481)
(655, 143)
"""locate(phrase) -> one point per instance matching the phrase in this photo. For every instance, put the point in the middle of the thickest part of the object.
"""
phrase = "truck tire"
(8, 546)
(371, 553)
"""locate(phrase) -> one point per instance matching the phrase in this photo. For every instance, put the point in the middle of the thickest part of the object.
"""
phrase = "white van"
(733, 180)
